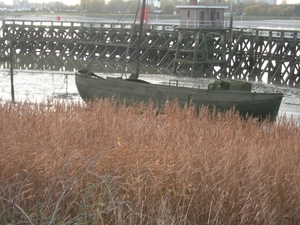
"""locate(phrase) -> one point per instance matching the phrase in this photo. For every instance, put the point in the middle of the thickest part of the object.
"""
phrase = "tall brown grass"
(98, 163)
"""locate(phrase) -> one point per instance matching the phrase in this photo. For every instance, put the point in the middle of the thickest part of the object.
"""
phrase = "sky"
(67, 2)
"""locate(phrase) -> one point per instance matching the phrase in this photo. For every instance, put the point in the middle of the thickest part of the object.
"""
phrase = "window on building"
(202, 15)
(188, 14)
(212, 16)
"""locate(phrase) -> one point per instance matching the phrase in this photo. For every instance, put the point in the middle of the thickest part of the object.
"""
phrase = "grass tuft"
(103, 163)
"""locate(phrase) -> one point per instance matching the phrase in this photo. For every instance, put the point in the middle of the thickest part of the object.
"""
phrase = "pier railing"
(169, 27)
(88, 24)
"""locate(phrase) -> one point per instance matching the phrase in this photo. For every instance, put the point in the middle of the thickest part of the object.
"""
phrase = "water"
(39, 86)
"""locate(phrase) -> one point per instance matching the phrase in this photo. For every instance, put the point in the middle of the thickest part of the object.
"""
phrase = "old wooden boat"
(223, 95)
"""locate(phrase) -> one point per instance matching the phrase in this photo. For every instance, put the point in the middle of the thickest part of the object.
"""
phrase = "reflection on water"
(44, 78)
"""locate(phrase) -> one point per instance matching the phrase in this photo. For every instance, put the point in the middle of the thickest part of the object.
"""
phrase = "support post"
(177, 51)
(195, 54)
(12, 72)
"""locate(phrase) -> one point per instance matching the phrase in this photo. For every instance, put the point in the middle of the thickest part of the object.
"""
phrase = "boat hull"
(260, 105)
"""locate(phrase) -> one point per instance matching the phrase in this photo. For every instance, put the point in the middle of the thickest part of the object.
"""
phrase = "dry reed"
(99, 163)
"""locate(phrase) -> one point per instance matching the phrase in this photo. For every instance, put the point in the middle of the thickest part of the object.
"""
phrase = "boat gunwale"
(146, 83)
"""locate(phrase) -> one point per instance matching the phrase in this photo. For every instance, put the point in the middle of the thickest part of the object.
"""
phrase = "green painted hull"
(259, 105)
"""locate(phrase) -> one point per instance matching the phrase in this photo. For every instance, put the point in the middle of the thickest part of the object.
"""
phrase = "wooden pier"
(207, 52)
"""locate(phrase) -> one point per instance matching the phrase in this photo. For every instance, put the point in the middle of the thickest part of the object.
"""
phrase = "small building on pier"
(195, 16)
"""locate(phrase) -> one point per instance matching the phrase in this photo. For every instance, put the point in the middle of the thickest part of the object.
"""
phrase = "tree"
(95, 6)
(132, 8)
(115, 6)
(254, 10)
(297, 10)
(240, 8)
(274, 11)
(54, 6)
(168, 8)
(288, 11)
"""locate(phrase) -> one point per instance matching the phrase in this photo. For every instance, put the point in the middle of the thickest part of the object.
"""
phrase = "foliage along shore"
(99, 163)
(130, 16)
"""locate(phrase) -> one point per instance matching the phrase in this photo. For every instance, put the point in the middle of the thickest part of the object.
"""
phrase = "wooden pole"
(231, 23)
(140, 38)
(12, 72)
